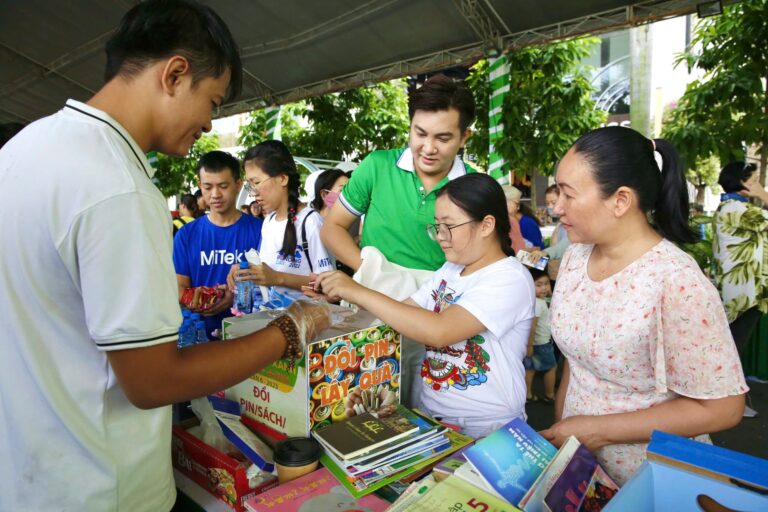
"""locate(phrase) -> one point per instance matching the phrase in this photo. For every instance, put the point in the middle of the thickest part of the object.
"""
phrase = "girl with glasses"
(473, 315)
(290, 236)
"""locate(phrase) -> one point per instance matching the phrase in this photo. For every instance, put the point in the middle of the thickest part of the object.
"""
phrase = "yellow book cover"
(455, 495)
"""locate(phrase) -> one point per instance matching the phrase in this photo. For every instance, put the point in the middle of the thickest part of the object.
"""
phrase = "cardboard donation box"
(682, 474)
(218, 473)
(351, 367)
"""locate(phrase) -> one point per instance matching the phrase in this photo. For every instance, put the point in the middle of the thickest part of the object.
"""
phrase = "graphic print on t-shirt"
(290, 263)
(444, 367)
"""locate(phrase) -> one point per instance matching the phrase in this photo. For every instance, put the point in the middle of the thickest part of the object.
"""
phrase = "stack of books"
(368, 451)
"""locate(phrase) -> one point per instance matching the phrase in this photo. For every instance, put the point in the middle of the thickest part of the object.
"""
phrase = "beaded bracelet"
(293, 349)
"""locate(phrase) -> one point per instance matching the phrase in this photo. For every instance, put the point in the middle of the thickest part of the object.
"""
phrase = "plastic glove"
(310, 318)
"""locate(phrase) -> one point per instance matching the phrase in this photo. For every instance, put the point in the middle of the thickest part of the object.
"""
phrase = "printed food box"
(351, 367)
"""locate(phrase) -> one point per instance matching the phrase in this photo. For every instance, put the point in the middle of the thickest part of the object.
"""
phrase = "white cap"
(309, 187)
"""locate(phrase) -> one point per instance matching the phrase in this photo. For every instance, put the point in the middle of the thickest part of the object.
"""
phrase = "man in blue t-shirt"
(205, 250)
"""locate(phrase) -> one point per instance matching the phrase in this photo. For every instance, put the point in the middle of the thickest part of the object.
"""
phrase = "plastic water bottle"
(244, 293)
(200, 335)
(186, 334)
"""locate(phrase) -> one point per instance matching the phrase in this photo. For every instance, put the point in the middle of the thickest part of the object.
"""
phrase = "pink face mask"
(330, 198)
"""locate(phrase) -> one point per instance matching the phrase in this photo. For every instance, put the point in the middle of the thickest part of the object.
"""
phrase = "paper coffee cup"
(295, 457)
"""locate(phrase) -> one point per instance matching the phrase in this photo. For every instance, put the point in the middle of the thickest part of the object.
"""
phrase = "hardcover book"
(511, 459)
(366, 432)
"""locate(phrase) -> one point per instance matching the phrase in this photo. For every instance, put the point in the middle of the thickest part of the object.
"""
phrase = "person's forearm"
(294, 281)
(562, 391)
(557, 251)
(414, 322)
(204, 369)
(341, 244)
(682, 416)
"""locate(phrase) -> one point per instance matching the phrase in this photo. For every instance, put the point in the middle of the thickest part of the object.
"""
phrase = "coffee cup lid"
(297, 451)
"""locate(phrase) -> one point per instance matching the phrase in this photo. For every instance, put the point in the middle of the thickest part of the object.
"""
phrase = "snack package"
(201, 298)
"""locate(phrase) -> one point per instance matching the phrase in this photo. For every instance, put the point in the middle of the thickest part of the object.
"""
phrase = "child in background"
(541, 351)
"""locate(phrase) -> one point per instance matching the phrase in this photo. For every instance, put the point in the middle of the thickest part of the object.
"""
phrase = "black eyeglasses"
(444, 230)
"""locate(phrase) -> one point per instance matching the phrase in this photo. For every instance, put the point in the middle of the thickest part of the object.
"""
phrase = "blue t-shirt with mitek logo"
(205, 252)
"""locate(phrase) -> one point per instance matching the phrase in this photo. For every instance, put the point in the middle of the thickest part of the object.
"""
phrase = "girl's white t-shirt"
(479, 384)
(272, 232)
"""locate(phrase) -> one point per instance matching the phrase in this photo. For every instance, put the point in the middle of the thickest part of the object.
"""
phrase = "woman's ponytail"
(672, 205)
(622, 157)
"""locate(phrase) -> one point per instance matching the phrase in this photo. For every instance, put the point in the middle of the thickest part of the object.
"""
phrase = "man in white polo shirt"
(88, 359)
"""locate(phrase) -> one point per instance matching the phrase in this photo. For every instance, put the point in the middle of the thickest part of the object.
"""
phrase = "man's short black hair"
(443, 93)
(158, 29)
(217, 161)
(734, 174)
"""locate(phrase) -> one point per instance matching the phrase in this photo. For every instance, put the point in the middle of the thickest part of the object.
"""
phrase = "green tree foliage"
(176, 175)
(353, 123)
(477, 81)
(349, 124)
(728, 106)
(291, 132)
(548, 107)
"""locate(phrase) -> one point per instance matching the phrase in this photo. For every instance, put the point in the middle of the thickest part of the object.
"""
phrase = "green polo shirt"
(387, 190)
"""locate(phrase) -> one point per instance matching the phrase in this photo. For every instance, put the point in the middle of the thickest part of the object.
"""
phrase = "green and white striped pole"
(498, 78)
(273, 122)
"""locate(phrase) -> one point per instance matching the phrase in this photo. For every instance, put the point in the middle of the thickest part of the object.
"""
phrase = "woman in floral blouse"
(644, 332)
(741, 249)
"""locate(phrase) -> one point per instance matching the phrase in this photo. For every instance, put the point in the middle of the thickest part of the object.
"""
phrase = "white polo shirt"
(85, 267)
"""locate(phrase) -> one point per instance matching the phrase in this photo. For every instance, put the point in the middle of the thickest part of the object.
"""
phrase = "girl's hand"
(337, 284)
(260, 274)
(586, 429)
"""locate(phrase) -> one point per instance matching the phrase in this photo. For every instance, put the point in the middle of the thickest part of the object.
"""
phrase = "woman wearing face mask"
(327, 189)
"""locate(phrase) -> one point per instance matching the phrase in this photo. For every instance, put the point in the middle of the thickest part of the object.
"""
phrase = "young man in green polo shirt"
(395, 189)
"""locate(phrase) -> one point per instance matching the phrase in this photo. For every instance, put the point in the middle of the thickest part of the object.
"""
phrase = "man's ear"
(465, 136)
(174, 70)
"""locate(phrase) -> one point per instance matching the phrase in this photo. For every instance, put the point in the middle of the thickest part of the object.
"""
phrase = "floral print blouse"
(645, 335)
(740, 247)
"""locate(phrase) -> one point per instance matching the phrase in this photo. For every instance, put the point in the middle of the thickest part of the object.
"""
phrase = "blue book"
(510, 459)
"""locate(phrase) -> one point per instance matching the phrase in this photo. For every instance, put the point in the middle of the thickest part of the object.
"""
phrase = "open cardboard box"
(358, 352)
(681, 474)
(218, 473)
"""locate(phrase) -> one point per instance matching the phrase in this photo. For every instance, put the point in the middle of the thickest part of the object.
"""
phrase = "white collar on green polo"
(405, 162)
